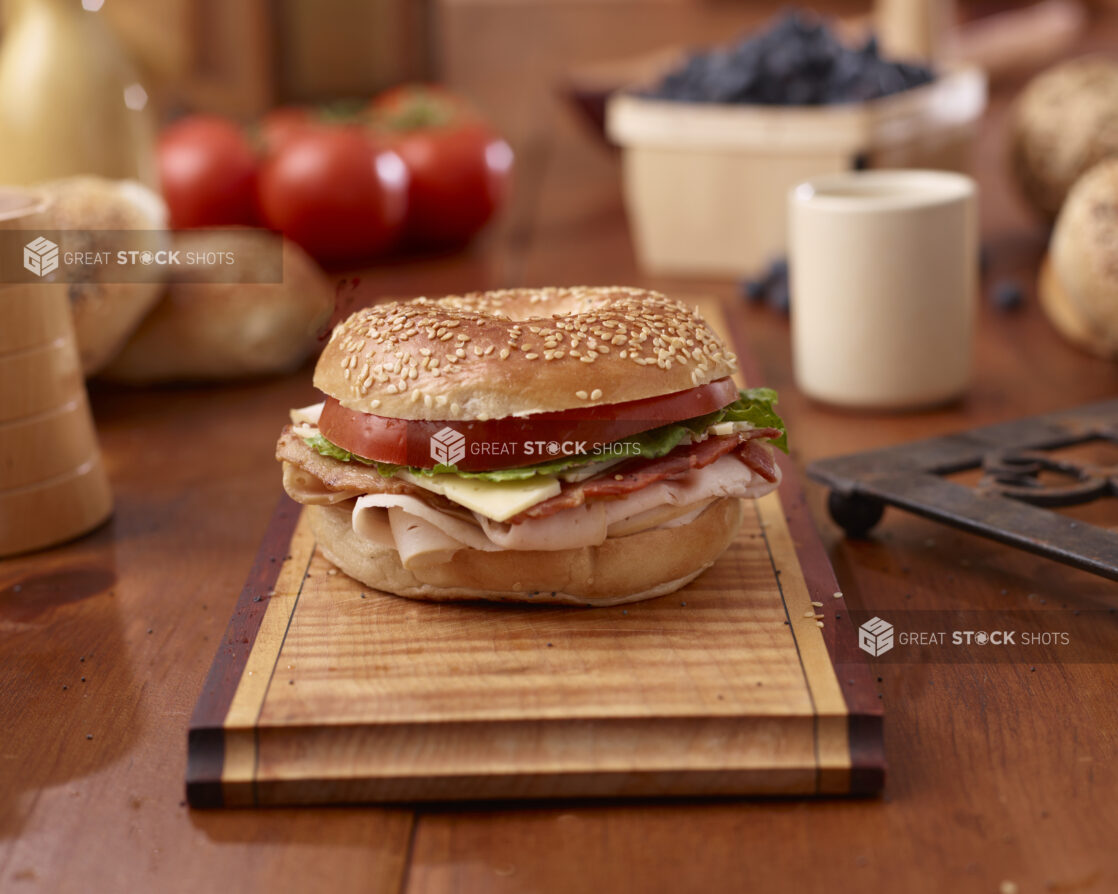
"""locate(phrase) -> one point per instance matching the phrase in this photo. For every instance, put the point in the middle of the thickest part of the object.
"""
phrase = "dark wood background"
(1002, 778)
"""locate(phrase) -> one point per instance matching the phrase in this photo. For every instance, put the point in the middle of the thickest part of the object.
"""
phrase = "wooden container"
(53, 485)
(706, 185)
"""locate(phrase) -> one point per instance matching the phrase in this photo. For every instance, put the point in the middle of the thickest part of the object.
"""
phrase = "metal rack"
(1013, 501)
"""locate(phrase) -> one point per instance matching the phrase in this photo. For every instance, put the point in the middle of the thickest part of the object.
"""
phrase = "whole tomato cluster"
(416, 167)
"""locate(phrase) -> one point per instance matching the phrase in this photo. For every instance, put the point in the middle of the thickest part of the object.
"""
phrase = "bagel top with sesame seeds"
(516, 352)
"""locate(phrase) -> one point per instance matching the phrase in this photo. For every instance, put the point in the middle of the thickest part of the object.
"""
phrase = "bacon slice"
(340, 476)
(617, 481)
(639, 473)
(759, 458)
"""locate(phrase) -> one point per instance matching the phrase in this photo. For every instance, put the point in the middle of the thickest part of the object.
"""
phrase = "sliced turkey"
(423, 533)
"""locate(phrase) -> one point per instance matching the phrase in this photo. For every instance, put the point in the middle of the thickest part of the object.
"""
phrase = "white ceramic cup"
(883, 270)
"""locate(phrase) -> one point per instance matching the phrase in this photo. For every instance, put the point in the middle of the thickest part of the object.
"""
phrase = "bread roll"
(1065, 121)
(90, 212)
(519, 351)
(233, 328)
(1079, 285)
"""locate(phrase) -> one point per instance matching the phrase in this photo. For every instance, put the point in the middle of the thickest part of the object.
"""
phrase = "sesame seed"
(648, 327)
(596, 394)
(581, 395)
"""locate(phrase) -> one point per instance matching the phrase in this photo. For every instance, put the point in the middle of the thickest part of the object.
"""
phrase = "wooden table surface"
(1001, 778)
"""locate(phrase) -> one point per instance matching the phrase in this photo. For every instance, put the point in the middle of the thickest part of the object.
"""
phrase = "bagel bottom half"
(622, 569)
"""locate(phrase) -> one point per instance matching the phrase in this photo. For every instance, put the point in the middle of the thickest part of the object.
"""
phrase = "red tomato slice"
(513, 441)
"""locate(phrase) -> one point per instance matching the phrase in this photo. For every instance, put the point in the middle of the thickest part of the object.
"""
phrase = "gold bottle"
(71, 101)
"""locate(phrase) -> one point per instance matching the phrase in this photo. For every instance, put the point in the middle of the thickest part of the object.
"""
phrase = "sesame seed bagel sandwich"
(581, 445)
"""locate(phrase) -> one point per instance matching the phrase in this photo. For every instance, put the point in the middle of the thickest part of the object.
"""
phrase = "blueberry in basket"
(796, 61)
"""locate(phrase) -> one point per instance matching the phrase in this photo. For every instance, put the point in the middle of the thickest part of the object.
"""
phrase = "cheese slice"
(497, 500)
(309, 415)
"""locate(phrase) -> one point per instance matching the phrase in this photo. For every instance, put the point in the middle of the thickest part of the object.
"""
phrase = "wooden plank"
(207, 754)
(724, 688)
(419, 701)
(372, 697)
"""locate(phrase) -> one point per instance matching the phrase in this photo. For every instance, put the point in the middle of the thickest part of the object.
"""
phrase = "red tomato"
(279, 126)
(335, 192)
(207, 168)
(459, 167)
(407, 441)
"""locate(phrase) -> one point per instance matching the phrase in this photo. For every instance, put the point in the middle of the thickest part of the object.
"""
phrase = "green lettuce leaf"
(332, 450)
(754, 405)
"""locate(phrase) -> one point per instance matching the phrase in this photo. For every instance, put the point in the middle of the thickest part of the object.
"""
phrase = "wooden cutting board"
(324, 691)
